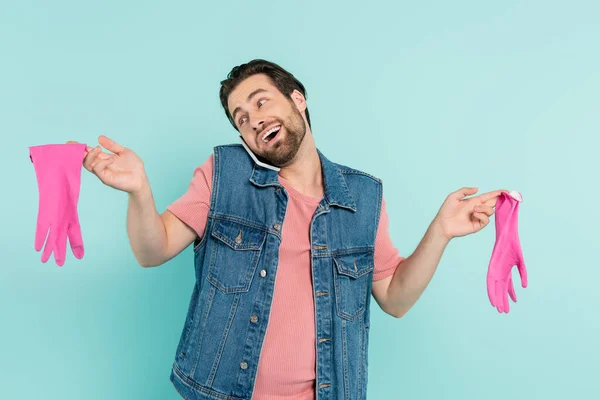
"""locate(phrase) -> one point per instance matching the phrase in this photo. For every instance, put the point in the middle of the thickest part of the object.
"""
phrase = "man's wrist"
(143, 190)
(437, 231)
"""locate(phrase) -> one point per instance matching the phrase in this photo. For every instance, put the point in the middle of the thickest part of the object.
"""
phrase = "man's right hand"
(154, 238)
(121, 169)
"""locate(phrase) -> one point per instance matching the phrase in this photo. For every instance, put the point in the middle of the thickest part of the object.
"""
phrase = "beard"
(283, 152)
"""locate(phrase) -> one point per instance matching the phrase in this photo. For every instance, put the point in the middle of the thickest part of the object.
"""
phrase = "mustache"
(274, 121)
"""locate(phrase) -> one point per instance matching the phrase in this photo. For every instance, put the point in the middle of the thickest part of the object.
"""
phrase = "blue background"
(429, 96)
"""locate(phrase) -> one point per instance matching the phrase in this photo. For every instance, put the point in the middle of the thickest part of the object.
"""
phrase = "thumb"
(110, 144)
(522, 272)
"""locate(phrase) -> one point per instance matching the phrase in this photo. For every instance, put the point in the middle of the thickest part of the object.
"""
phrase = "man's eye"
(260, 102)
(242, 120)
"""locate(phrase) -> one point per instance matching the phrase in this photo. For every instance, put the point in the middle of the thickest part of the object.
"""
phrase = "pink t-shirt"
(284, 371)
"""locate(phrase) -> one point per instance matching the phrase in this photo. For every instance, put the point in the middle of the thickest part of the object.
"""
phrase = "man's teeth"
(267, 133)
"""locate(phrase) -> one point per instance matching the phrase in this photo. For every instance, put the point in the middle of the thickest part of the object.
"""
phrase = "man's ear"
(299, 100)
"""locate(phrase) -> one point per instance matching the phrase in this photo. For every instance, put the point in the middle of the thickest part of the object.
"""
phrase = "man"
(288, 247)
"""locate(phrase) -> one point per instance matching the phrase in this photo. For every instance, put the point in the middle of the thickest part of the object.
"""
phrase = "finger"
(498, 290)
(110, 144)
(490, 197)
(60, 249)
(511, 288)
(41, 232)
(522, 271)
(100, 166)
(49, 245)
(463, 192)
(76, 240)
(491, 285)
(493, 202)
(91, 157)
(506, 307)
(87, 148)
(482, 218)
(96, 155)
(104, 156)
(487, 210)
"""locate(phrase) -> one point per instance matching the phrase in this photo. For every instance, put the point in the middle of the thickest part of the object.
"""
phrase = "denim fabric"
(235, 266)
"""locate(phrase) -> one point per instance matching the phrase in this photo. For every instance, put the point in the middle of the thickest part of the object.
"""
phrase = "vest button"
(254, 319)
(277, 227)
(263, 273)
(244, 365)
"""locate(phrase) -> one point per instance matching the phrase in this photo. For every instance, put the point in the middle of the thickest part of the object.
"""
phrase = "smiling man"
(288, 247)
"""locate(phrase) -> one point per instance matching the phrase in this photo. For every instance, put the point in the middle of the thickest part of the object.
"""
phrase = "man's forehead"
(240, 94)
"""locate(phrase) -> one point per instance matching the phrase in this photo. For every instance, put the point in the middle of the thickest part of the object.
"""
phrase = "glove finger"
(60, 250)
(76, 240)
(490, 291)
(511, 289)
(491, 286)
(506, 306)
(49, 245)
(498, 298)
(41, 232)
(522, 271)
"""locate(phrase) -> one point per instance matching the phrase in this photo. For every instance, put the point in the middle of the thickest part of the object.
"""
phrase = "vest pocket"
(235, 252)
(352, 275)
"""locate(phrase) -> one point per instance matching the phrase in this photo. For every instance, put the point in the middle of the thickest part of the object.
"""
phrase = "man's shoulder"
(228, 145)
(233, 147)
(355, 172)
(230, 150)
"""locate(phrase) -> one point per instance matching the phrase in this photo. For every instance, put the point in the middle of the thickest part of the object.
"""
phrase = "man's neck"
(304, 174)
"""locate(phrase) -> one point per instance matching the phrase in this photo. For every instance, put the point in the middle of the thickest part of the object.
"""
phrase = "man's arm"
(458, 216)
(154, 238)
(399, 292)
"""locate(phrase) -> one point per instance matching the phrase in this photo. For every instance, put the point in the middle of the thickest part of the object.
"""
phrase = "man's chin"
(281, 154)
(280, 161)
(268, 160)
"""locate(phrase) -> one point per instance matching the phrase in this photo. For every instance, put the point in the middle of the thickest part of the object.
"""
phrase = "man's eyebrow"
(250, 96)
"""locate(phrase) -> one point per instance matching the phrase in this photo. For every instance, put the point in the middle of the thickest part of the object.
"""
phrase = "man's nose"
(257, 123)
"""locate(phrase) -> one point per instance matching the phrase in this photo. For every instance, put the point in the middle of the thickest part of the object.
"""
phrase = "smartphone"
(256, 160)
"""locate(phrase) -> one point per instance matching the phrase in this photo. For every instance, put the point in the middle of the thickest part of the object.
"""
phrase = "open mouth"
(271, 134)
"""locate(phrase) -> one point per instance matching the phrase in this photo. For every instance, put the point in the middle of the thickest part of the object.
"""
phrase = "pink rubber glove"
(58, 172)
(506, 253)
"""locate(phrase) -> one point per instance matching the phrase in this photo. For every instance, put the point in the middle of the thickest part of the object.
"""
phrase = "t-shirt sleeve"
(387, 256)
(193, 206)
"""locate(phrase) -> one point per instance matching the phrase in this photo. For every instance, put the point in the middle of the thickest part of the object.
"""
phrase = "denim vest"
(235, 266)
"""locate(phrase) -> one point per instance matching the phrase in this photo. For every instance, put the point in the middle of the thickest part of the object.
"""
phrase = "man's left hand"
(459, 216)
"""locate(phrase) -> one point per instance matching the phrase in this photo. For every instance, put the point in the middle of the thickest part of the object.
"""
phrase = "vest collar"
(336, 189)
